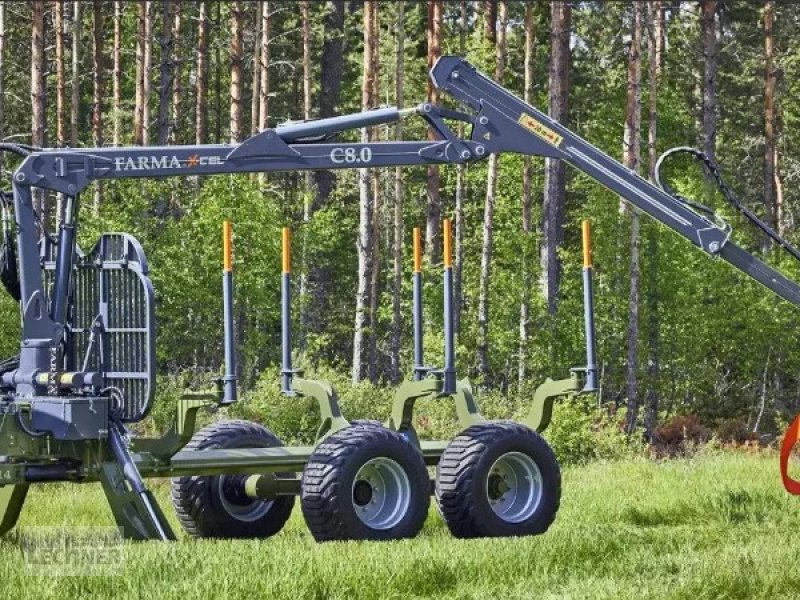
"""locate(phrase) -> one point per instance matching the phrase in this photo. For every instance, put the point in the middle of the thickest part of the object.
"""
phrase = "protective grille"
(111, 324)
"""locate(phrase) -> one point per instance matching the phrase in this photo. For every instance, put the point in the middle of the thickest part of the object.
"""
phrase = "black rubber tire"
(198, 500)
(366, 423)
(326, 497)
(463, 471)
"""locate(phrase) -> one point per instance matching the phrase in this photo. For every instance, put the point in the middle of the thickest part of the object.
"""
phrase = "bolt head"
(20, 176)
(71, 188)
(480, 150)
(466, 154)
(483, 120)
(713, 247)
(456, 75)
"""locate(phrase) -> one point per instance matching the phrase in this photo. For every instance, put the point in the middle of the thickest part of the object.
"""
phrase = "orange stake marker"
(448, 244)
(227, 246)
(587, 245)
(286, 250)
(417, 250)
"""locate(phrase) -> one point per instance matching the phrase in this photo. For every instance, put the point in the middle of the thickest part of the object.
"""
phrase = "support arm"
(507, 124)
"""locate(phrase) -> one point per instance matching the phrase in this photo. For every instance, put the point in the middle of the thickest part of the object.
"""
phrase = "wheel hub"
(362, 493)
(381, 493)
(514, 487)
(237, 503)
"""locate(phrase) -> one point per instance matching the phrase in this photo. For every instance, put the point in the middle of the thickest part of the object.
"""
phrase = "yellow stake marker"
(417, 250)
(227, 246)
(448, 243)
(285, 250)
(587, 245)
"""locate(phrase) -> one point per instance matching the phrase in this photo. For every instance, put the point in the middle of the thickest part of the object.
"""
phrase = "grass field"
(716, 526)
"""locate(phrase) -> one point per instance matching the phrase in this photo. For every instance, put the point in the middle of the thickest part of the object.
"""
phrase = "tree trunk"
(255, 85)
(306, 26)
(769, 119)
(375, 287)
(365, 228)
(308, 178)
(434, 209)
(555, 179)
(116, 75)
(488, 215)
(166, 72)
(763, 395)
(779, 201)
(331, 70)
(461, 193)
(148, 65)
(395, 345)
(263, 106)
(75, 104)
(708, 10)
(38, 94)
(632, 140)
(201, 85)
(236, 72)
(655, 60)
(138, 108)
(98, 89)
(2, 79)
(177, 87)
(61, 76)
(217, 77)
(490, 21)
(61, 95)
(527, 197)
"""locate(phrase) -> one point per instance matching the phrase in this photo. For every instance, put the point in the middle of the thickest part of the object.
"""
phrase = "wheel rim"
(381, 493)
(514, 487)
(237, 503)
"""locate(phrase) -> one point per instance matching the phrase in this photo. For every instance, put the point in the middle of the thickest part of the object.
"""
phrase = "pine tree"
(555, 177)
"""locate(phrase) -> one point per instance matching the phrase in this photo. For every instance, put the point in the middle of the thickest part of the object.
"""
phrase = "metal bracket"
(542, 407)
(402, 417)
(182, 430)
(329, 411)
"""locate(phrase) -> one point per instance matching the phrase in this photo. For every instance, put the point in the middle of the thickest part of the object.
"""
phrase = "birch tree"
(489, 206)
(655, 58)
(75, 100)
(527, 196)
(166, 71)
(365, 227)
(631, 158)
(201, 83)
(236, 57)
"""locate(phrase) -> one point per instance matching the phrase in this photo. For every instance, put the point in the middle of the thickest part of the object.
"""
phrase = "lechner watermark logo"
(73, 551)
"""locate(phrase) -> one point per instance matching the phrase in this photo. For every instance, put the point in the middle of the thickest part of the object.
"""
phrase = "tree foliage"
(725, 345)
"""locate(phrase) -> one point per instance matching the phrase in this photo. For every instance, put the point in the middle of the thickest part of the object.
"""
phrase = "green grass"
(716, 526)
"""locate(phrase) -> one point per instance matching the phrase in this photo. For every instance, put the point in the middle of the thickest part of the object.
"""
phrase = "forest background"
(685, 343)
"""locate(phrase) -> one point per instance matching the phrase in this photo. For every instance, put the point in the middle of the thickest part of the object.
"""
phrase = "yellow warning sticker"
(544, 132)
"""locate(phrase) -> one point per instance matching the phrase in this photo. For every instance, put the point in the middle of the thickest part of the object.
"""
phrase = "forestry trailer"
(86, 366)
